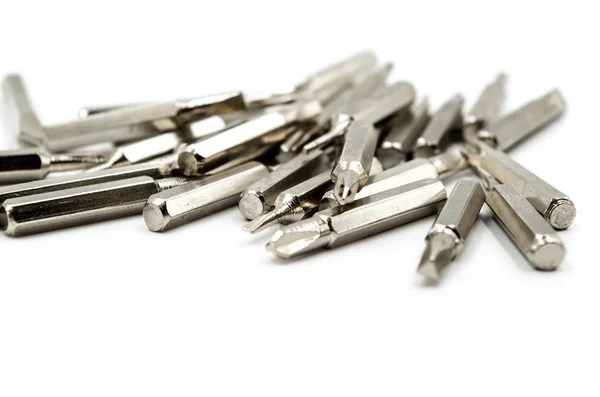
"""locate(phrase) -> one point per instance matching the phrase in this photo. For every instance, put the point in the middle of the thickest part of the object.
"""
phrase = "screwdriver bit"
(397, 145)
(259, 197)
(25, 165)
(175, 207)
(19, 117)
(524, 122)
(437, 134)
(43, 212)
(533, 236)
(447, 236)
(162, 144)
(487, 108)
(360, 219)
(252, 136)
(298, 202)
(555, 206)
(156, 169)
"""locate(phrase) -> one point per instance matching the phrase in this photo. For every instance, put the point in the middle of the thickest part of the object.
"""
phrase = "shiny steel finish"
(534, 237)
(19, 118)
(436, 135)
(555, 206)
(196, 199)
(397, 144)
(81, 205)
(361, 219)
(246, 139)
(139, 121)
(453, 224)
(524, 122)
(155, 169)
(259, 198)
(488, 107)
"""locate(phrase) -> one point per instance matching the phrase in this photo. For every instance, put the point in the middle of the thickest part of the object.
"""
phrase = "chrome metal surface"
(436, 136)
(18, 116)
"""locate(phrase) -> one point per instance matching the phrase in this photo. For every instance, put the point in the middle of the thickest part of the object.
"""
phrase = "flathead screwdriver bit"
(23, 165)
(397, 144)
(487, 108)
(531, 233)
(555, 206)
(362, 218)
(18, 115)
(247, 138)
(175, 207)
(43, 212)
(447, 236)
(260, 197)
(437, 134)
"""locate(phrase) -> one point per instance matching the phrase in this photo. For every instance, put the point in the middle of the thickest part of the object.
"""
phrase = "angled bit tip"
(299, 238)
(262, 222)
(440, 251)
(347, 185)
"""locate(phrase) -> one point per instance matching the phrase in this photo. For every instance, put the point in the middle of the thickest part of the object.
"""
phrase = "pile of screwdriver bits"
(342, 156)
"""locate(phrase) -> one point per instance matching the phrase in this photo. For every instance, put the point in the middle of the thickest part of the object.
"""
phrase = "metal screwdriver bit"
(260, 197)
(19, 117)
(299, 202)
(175, 207)
(555, 206)
(23, 165)
(155, 169)
(139, 121)
(245, 139)
(447, 236)
(436, 135)
(487, 108)
(511, 129)
(360, 219)
(533, 236)
(43, 212)
(397, 145)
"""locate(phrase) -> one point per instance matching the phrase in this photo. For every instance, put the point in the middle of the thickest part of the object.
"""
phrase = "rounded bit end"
(561, 214)
(188, 164)
(252, 205)
(548, 253)
(156, 215)
(347, 185)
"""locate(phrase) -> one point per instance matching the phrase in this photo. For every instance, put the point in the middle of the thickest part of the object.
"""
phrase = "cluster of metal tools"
(341, 156)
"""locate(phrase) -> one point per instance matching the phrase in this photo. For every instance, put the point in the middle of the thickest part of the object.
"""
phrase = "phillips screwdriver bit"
(243, 140)
(555, 206)
(524, 122)
(360, 219)
(533, 236)
(487, 108)
(447, 236)
(18, 115)
(186, 203)
(437, 134)
(298, 202)
(259, 197)
(23, 165)
(397, 144)
(155, 169)
(43, 212)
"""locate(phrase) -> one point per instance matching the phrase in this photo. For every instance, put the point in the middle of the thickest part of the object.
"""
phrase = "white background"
(114, 310)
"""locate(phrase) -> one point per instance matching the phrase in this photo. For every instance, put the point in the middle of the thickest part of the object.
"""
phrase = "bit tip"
(188, 164)
(440, 251)
(261, 223)
(347, 185)
(299, 238)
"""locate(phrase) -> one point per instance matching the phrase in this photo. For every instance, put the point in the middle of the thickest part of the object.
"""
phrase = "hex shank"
(436, 135)
(18, 114)
(461, 209)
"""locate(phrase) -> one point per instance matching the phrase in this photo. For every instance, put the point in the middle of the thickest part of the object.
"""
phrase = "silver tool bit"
(248, 139)
(533, 236)
(298, 202)
(437, 167)
(139, 121)
(23, 165)
(18, 115)
(437, 134)
(361, 219)
(156, 169)
(555, 206)
(162, 144)
(259, 198)
(43, 212)
(487, 108)
(396, 146)
(386, 102)
(194, 200)
(447, 236)
(516, 126)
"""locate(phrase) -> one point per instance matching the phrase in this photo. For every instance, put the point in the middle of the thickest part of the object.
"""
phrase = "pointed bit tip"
(428, 269)
(346, 187)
